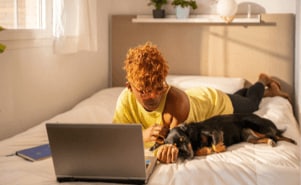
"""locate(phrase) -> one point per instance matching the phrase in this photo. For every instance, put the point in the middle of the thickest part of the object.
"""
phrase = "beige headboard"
(234, 50)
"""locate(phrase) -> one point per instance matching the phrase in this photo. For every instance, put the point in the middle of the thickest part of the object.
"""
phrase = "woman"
(148, 99)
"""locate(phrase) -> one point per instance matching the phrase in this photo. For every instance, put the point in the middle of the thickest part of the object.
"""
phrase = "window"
(31, 20)
(23, 14)
(25, 19)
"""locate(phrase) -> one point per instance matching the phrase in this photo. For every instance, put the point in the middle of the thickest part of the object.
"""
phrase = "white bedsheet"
(243, 163)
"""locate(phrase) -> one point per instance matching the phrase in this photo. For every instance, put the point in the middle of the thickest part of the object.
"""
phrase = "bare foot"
(274, 90)
(267, 81)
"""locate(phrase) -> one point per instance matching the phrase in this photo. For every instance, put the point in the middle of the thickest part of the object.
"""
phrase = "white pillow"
(225, 84)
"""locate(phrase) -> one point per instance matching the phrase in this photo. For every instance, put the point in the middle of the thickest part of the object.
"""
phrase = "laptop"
(99, 152)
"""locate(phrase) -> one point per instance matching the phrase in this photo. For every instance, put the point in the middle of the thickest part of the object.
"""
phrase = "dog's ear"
(183, 127)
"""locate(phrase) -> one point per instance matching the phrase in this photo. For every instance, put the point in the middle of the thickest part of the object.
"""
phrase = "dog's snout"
(186, 151)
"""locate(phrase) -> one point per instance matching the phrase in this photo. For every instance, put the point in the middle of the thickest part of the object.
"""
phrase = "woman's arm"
(175, 112)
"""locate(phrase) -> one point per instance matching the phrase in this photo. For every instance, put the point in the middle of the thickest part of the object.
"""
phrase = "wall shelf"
(239, 19)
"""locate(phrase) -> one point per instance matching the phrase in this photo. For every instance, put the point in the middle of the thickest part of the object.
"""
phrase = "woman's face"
(150, 99)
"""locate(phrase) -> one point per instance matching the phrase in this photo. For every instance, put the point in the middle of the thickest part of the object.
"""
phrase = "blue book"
(35, 153)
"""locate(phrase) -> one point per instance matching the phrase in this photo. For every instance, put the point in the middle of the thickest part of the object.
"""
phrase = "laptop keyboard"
(147, 162)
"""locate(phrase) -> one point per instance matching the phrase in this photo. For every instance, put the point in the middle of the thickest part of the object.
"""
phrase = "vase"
(182, 12)
(226, 9)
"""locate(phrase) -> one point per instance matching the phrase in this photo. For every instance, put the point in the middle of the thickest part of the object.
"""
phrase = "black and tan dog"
(216, 133)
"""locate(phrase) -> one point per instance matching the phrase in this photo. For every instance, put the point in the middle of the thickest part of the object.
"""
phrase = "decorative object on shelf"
(227, 9)
(183, 7)
(158, 12)
(2, 46)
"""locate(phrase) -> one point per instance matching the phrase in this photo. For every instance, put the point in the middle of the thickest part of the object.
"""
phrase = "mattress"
(243, 163)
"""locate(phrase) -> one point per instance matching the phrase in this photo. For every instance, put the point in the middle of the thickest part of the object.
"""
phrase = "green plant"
(157, 3)
(2, 46)
(185, 3)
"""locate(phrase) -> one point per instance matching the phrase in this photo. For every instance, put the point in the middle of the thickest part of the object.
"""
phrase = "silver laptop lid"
(112, 152)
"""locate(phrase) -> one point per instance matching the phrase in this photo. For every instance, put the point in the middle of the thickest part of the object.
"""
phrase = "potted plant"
(158, 12)
(2, 46)
(183, 7)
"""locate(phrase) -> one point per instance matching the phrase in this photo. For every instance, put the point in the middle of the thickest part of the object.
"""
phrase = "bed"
(242, 163)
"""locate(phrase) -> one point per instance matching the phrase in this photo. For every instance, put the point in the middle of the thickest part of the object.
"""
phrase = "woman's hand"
(151, 133)
(167, 153)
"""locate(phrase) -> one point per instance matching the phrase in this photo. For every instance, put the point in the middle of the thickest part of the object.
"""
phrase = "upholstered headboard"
(231, 50)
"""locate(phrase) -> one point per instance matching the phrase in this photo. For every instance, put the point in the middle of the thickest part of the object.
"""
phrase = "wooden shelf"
(239, 19)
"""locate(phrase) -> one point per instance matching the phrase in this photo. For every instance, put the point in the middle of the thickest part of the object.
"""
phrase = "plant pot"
(158, 13)
(182, 13)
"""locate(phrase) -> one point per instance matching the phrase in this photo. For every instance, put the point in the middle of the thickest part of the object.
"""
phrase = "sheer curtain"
(74, 26)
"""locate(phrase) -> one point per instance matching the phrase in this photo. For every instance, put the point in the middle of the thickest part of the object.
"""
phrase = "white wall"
(35, 84)
(298, 60)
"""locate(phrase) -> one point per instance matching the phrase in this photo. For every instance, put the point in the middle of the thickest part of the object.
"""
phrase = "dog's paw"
(203, 151)
(271, 143)
(220, 147)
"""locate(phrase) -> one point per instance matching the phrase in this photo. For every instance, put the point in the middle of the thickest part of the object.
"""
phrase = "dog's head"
(177, 136)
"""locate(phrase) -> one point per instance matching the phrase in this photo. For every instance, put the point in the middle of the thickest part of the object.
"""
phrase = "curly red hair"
(145, 67)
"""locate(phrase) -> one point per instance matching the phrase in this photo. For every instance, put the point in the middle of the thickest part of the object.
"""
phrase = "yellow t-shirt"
(207, 102)
(129, 110)
(204, 103)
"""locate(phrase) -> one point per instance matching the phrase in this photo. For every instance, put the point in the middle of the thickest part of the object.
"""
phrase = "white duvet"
(241, 164)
